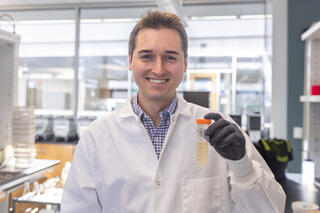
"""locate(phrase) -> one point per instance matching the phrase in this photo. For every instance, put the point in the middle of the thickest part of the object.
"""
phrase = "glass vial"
(202, 144)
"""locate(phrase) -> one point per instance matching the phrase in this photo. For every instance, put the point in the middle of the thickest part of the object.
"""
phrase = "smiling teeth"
(157, 81)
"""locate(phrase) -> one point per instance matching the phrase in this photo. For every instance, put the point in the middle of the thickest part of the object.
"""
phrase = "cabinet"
(53, 151)
(311, 103)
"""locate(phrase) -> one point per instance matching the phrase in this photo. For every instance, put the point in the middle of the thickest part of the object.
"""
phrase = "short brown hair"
(157, 20)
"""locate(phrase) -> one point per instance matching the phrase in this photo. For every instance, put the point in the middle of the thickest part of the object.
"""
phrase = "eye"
(171, 58)
(147, 57)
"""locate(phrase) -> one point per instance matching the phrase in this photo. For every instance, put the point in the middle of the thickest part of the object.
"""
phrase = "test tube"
(202, 146)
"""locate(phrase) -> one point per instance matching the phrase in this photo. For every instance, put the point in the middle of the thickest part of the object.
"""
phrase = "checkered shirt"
(157, 134)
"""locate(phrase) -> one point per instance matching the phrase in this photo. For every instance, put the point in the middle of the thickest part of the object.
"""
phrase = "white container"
(303, 206)
(65, 171)
(308, 170)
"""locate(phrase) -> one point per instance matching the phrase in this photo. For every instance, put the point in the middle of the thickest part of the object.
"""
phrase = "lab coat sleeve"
(253, 187)
(80, 193)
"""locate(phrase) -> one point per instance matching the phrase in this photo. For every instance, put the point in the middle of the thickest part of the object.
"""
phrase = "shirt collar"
(166, 112)
(183, 108)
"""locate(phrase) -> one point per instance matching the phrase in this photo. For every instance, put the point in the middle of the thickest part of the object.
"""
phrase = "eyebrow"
(145, 51)
(167, 51)
(172, 52)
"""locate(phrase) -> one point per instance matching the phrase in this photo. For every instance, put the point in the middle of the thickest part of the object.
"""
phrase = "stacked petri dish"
(23, 136)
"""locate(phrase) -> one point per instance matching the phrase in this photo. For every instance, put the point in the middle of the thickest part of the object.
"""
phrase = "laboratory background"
(64, 63)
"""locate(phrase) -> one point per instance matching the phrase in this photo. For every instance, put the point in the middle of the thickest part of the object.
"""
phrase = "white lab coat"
(115, 170)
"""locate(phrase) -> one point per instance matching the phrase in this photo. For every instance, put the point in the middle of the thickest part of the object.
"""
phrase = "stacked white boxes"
(23, 136)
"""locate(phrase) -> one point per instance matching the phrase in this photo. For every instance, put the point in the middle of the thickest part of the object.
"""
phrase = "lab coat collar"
(183, 108)
(126, 110)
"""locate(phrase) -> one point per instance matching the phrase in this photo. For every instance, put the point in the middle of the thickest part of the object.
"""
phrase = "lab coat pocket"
(201, 195)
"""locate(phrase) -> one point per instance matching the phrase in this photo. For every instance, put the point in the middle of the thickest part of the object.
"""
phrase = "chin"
(160, 97)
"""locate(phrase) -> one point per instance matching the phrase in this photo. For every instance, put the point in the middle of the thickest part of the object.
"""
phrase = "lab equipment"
(65, 128)
(23, 135)
(48, 209)
(45, 197)
(303, 206)
(202, 144)
(44, 128)
(308, 171)
(254, 122)
(254, 126)
(226, 137)
(65, 171)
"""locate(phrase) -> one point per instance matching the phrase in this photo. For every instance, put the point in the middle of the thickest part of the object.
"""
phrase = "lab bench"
(298, 192)
(44, 197)
(22, 206)
(12, 179)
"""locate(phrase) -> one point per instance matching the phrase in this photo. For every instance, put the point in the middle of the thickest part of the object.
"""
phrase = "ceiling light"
(203, 18)
(43, 22)
(263, 16)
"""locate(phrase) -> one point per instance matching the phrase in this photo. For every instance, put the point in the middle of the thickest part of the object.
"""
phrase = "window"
(103, 79)
(229, 57)
(46, 74)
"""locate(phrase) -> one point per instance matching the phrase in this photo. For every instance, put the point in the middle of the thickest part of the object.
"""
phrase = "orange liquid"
(202, 153)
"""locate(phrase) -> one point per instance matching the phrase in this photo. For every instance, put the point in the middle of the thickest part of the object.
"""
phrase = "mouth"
(157, 81)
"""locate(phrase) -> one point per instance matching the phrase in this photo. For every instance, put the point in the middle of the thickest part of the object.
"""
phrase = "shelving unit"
(310, 98)
(9, 44)
(311, 113)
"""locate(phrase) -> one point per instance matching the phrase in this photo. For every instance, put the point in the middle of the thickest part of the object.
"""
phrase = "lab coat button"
(172, 119)
(158, 183)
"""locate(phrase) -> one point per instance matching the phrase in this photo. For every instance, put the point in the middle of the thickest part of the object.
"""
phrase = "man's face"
(157, 64)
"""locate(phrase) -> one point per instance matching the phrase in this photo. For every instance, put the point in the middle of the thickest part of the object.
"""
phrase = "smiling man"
(142, 157)
(158, 64)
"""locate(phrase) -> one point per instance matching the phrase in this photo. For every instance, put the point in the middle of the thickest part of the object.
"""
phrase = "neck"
(153, 108)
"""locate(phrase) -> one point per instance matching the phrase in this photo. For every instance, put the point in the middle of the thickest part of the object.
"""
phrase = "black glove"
(226, 137)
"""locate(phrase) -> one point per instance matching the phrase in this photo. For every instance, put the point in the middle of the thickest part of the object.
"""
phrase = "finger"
(214, 116)
(223, 133)
(230, 139)
(213, 128)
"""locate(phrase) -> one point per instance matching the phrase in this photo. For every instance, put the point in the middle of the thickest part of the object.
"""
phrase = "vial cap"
(203, 121)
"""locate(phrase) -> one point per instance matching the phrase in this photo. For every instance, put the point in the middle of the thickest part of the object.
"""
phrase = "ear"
(185, 64)
(130, 62)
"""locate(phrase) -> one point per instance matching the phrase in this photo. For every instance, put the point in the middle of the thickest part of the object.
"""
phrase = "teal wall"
(301, 14)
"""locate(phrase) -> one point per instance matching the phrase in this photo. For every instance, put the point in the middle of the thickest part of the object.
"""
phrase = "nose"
(158, 67)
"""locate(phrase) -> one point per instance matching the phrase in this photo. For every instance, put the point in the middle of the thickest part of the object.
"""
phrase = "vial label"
(202, 153)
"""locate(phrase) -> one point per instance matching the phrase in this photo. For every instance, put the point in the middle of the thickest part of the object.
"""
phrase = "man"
(142, 157)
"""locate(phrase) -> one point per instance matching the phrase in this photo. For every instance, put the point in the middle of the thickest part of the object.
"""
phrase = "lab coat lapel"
(129, 120)
(169, 150)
